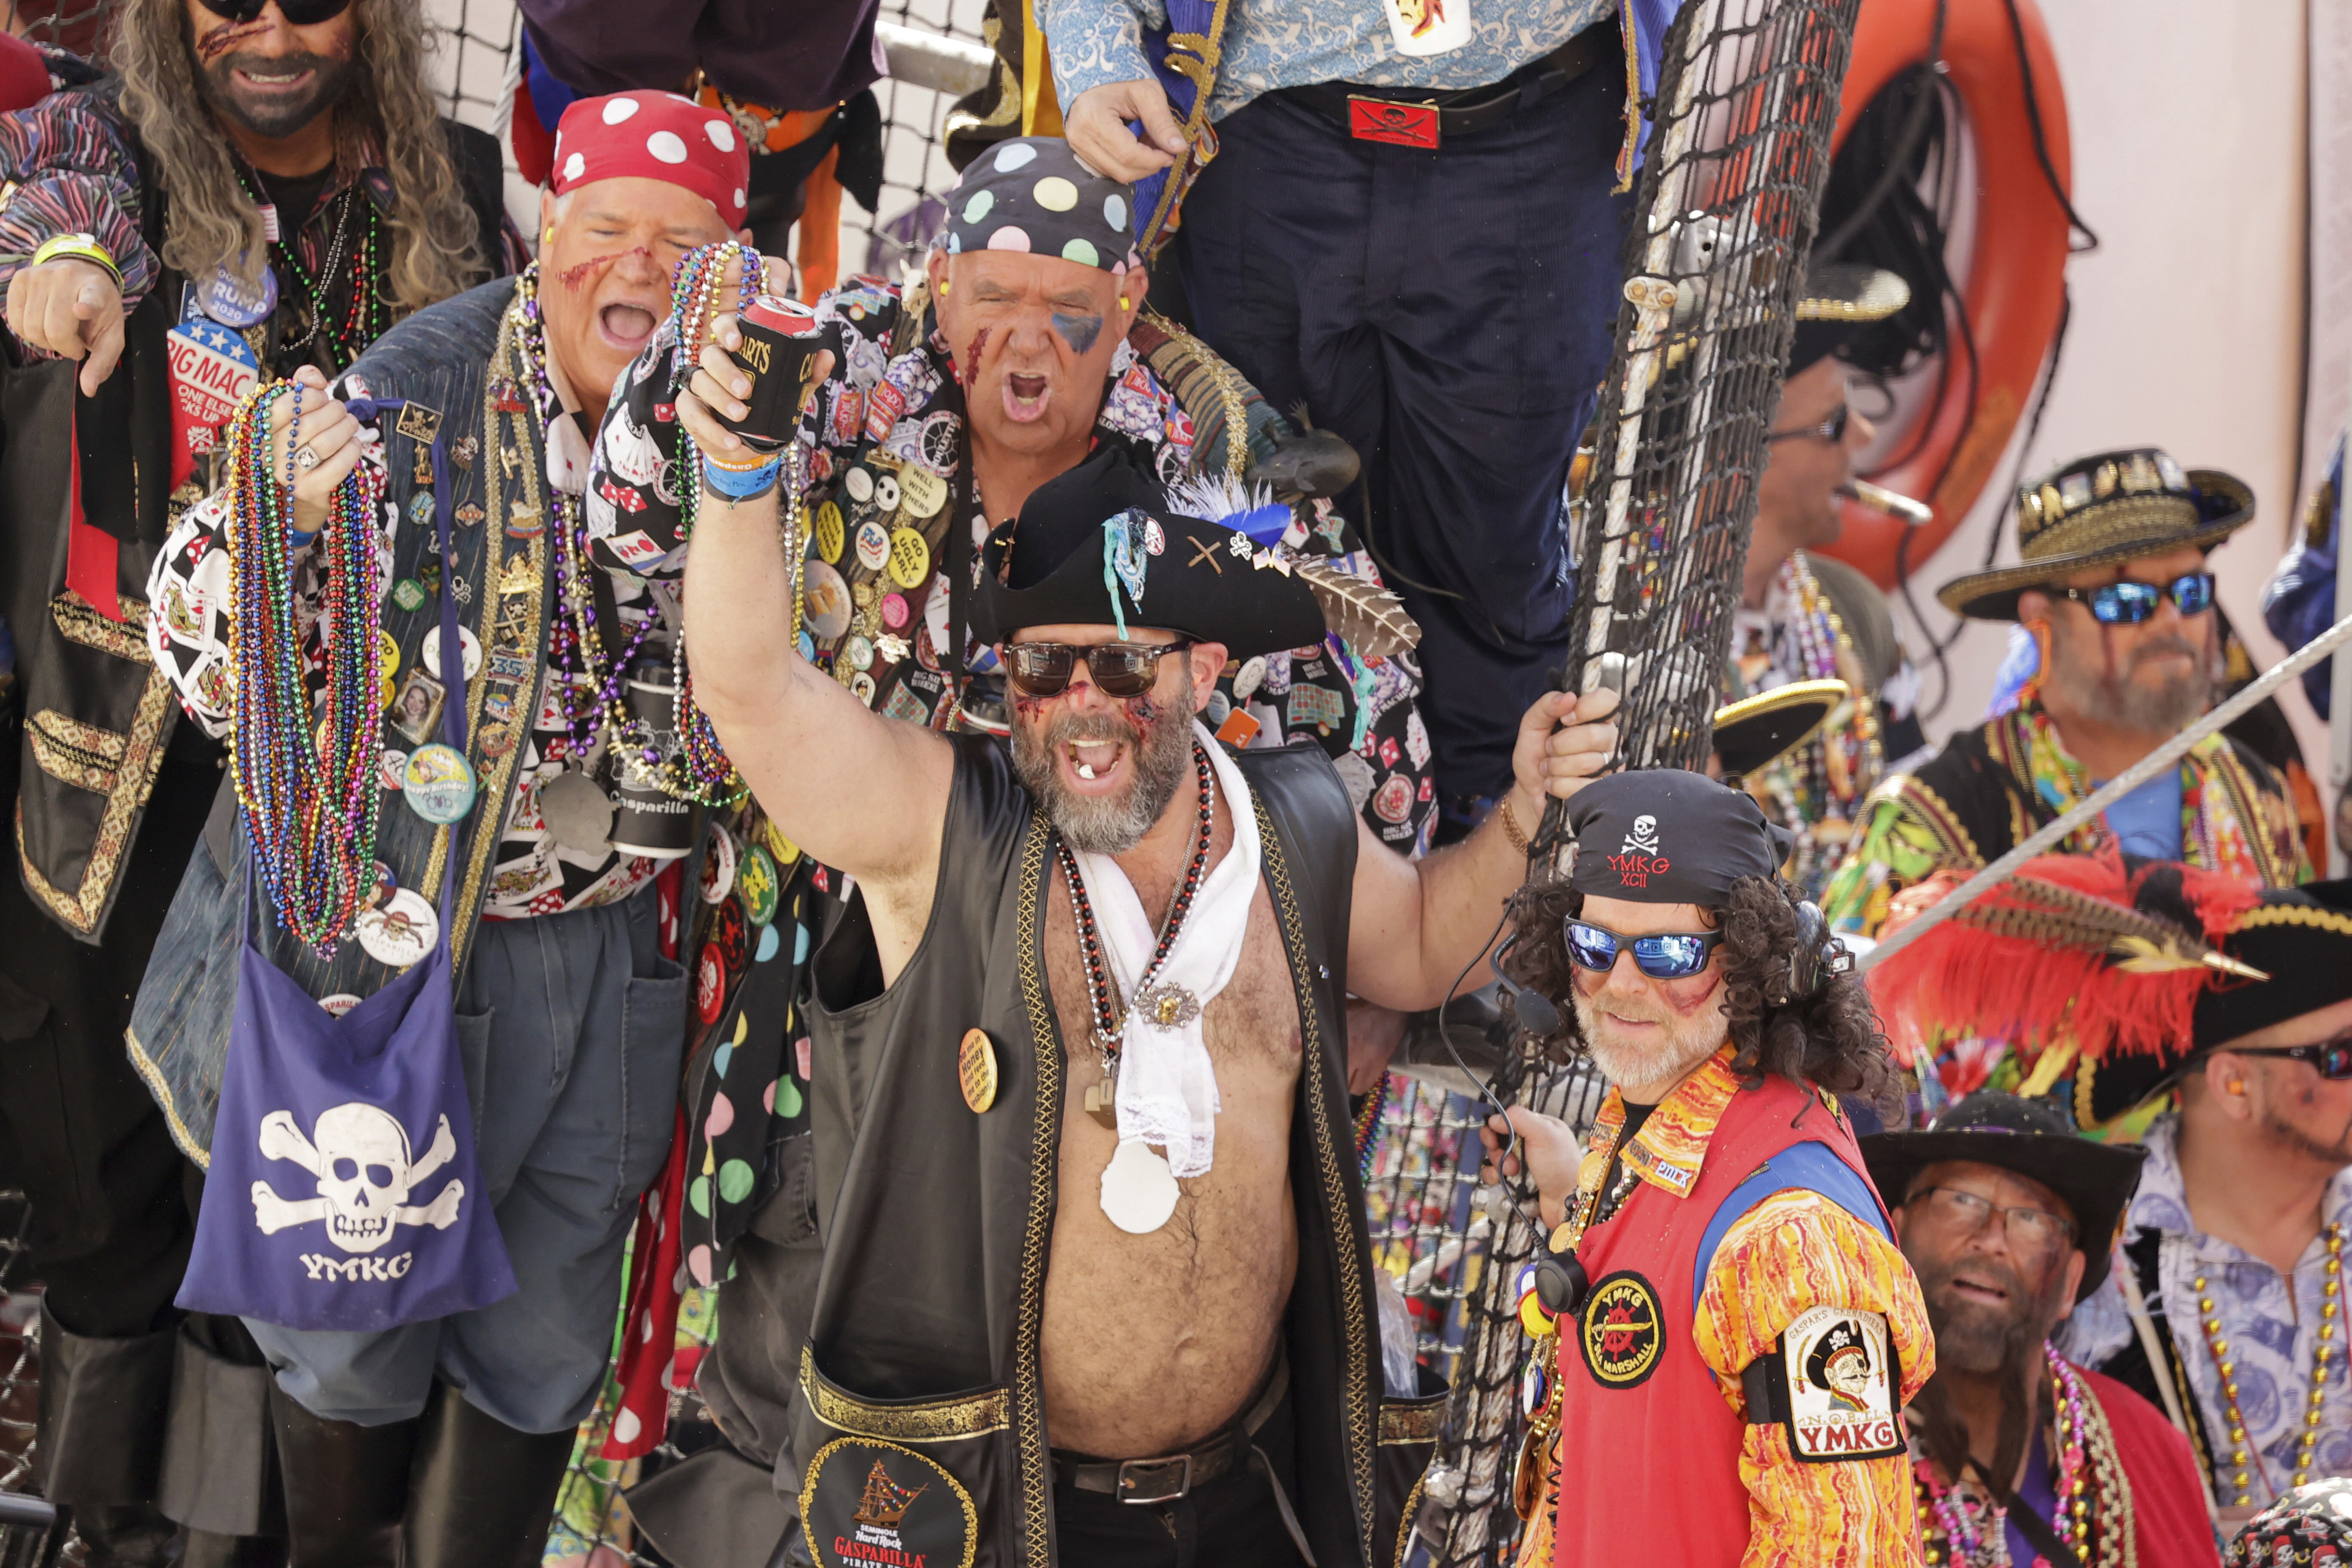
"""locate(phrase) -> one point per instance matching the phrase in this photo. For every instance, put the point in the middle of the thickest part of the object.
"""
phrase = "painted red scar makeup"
(573, 276)
(971, 366)
(227, 36)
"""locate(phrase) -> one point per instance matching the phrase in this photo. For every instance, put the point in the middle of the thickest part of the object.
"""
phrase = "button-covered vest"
(1649, 1452)
(921, 1367)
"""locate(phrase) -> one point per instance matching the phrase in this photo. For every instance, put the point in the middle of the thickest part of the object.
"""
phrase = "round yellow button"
(830, 533)
(911, 558)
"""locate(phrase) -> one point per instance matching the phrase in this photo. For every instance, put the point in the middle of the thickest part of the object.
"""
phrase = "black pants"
(79, 1131)
(1450, 314)
(1233, 1522)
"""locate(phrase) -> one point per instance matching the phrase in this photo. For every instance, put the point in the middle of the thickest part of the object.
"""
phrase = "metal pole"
(2115, 788)
(2339, 725)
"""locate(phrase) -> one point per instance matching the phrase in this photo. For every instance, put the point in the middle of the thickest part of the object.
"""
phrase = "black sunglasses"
(2331, 1058)
(2127, 604)
(297, 13)
(1116, 669)
(1668, 956)
(1832, 430)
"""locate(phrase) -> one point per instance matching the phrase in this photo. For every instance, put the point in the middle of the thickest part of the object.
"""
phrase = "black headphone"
(1818, 955)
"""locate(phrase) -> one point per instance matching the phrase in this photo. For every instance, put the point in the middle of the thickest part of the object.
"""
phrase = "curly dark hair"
(1830, 1038)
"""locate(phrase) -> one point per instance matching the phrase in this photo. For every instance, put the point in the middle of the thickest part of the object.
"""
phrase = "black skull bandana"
(1663, 836)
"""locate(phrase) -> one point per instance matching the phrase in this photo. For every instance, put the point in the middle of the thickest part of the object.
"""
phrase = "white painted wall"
(2188, 332)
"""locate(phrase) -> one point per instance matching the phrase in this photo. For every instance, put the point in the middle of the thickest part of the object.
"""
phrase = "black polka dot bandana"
(1032, 195)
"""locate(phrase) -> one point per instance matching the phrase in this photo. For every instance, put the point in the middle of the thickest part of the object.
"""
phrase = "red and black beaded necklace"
(1108, 1019)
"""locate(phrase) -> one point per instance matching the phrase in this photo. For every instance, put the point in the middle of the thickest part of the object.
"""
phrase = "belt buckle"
(1398, 124)
(1138, 1476)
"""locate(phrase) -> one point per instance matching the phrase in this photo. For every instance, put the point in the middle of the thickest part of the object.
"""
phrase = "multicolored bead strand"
(308, 782)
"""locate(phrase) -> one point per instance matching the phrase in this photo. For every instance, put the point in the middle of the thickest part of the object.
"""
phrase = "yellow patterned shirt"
(1794, 1251)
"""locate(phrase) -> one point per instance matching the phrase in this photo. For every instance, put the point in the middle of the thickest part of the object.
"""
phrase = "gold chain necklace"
(2209, 1320)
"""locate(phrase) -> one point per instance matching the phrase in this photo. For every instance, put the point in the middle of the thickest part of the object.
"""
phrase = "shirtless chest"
(1153, 1342)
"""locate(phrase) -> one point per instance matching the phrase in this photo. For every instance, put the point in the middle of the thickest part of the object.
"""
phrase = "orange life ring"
(2016, 287)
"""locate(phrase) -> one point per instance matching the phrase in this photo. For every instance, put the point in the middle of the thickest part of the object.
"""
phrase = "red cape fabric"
(2168, 1499)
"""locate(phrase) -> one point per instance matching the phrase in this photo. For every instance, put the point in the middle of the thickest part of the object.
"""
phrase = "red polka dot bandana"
(1030, 193)
(654, 136)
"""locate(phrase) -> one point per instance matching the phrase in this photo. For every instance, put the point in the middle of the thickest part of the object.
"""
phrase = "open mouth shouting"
(1026, 397)
(624, 324)
(1094, 767)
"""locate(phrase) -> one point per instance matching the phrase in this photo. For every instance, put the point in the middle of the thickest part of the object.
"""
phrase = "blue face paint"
(1078, 331)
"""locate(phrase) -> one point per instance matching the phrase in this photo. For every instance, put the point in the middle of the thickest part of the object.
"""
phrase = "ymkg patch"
(1622, 1333)
(1842, 1381)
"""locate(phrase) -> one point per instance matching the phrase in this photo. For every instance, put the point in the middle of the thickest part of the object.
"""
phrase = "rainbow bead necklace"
(307, 783)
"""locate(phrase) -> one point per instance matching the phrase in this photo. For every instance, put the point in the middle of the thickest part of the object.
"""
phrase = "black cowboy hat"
(1107, 522)
(2094, 511)
(2300, 937)
(1753, 733)
(2029, 1138)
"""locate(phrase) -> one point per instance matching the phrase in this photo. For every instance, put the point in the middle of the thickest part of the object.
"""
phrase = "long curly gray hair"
(211, 219)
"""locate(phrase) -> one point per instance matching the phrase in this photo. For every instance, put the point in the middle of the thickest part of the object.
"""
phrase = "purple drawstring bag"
(343, 1191)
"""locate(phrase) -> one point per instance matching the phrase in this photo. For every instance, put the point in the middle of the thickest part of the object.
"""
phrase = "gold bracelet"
(81, 248)
(1511, 825)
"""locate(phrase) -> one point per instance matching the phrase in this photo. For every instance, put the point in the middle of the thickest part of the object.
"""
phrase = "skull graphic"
(1643, 838)
(360, 1155)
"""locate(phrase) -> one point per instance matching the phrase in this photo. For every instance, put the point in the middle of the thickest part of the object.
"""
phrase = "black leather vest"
(924, 1342)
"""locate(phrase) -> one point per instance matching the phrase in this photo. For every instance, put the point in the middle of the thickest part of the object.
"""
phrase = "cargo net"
(1729, 195)
(1730, 190)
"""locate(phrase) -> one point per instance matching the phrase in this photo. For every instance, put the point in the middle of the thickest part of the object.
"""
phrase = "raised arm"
(860, 792)
(1419, 924)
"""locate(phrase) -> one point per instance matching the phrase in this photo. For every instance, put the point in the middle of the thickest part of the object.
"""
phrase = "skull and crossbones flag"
(343, 1191)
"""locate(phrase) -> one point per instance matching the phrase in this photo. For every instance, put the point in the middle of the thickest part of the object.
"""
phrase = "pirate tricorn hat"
(2094, 511)
(1837, 302)
(2139, 965)
(1753, 733)
(1101, 545)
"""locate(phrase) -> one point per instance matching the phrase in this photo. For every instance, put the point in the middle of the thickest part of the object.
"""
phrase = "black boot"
(345, 1486)
(484, 1493)
(98, 1441)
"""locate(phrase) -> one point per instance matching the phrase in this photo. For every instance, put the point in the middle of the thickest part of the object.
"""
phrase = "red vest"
(1649, 1452)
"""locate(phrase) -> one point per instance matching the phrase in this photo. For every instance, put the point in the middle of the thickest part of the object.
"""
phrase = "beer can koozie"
(649, 820)
(781, 337)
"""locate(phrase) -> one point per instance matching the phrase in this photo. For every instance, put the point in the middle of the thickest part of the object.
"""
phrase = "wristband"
(81, 248)
(740, 483)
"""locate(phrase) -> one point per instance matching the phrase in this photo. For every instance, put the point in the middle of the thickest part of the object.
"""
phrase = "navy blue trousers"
(1450, 314)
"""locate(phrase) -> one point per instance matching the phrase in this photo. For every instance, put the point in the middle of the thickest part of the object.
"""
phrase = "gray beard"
(1104, 824)
(2164, 710)
(1689, 1041)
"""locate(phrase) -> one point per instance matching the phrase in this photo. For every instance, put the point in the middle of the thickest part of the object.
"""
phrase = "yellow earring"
(1124, 304)
(943, 289)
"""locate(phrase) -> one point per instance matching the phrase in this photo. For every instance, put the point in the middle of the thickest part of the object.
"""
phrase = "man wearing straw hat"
(2114, 584)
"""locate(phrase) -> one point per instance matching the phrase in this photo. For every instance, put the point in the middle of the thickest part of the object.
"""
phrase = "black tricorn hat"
(1753, 733)
(1837, 302)
(2031, 1139)
(1098, 546)
(2094, 511)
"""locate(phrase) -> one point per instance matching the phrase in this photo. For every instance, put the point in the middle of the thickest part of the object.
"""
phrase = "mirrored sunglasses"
(1666, 956)
(2129, 603)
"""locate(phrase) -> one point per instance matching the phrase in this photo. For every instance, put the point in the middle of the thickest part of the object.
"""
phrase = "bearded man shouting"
(1089, 1224)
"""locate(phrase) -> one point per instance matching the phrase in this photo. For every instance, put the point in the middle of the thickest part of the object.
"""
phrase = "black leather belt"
(1412, 117)
(1171, 1476)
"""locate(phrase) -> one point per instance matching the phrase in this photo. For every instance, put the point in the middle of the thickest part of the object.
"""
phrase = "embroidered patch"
(871, 1504)
(1840, 1371)
(1622, 1334)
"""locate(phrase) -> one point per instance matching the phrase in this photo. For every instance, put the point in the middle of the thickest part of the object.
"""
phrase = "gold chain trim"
(1195, 56)
(1045, 1163)
(134, 780)
(1354, 1311)
(161, 1088)
(79, 620)
(1227, 380)
(928, 1421)
(2295, 914)
(1405, 1516)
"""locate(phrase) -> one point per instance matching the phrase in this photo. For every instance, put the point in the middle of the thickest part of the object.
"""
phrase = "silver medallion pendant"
(1166, 1005)
(577, 811)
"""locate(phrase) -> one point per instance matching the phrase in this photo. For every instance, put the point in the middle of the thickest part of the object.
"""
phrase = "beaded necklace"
(1819, 786)
(1108, 1016)
(366, 316)
(1368, 1128)
(307, 783)
(1970, 1528)
(2226, 1368)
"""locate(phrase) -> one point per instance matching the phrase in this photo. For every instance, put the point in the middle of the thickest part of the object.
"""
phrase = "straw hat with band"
(2094, 511)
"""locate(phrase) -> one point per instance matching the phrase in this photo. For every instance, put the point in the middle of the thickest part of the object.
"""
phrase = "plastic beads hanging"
(306, 776)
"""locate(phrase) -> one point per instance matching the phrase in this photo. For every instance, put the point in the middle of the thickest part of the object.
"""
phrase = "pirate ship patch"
(870, 1504)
